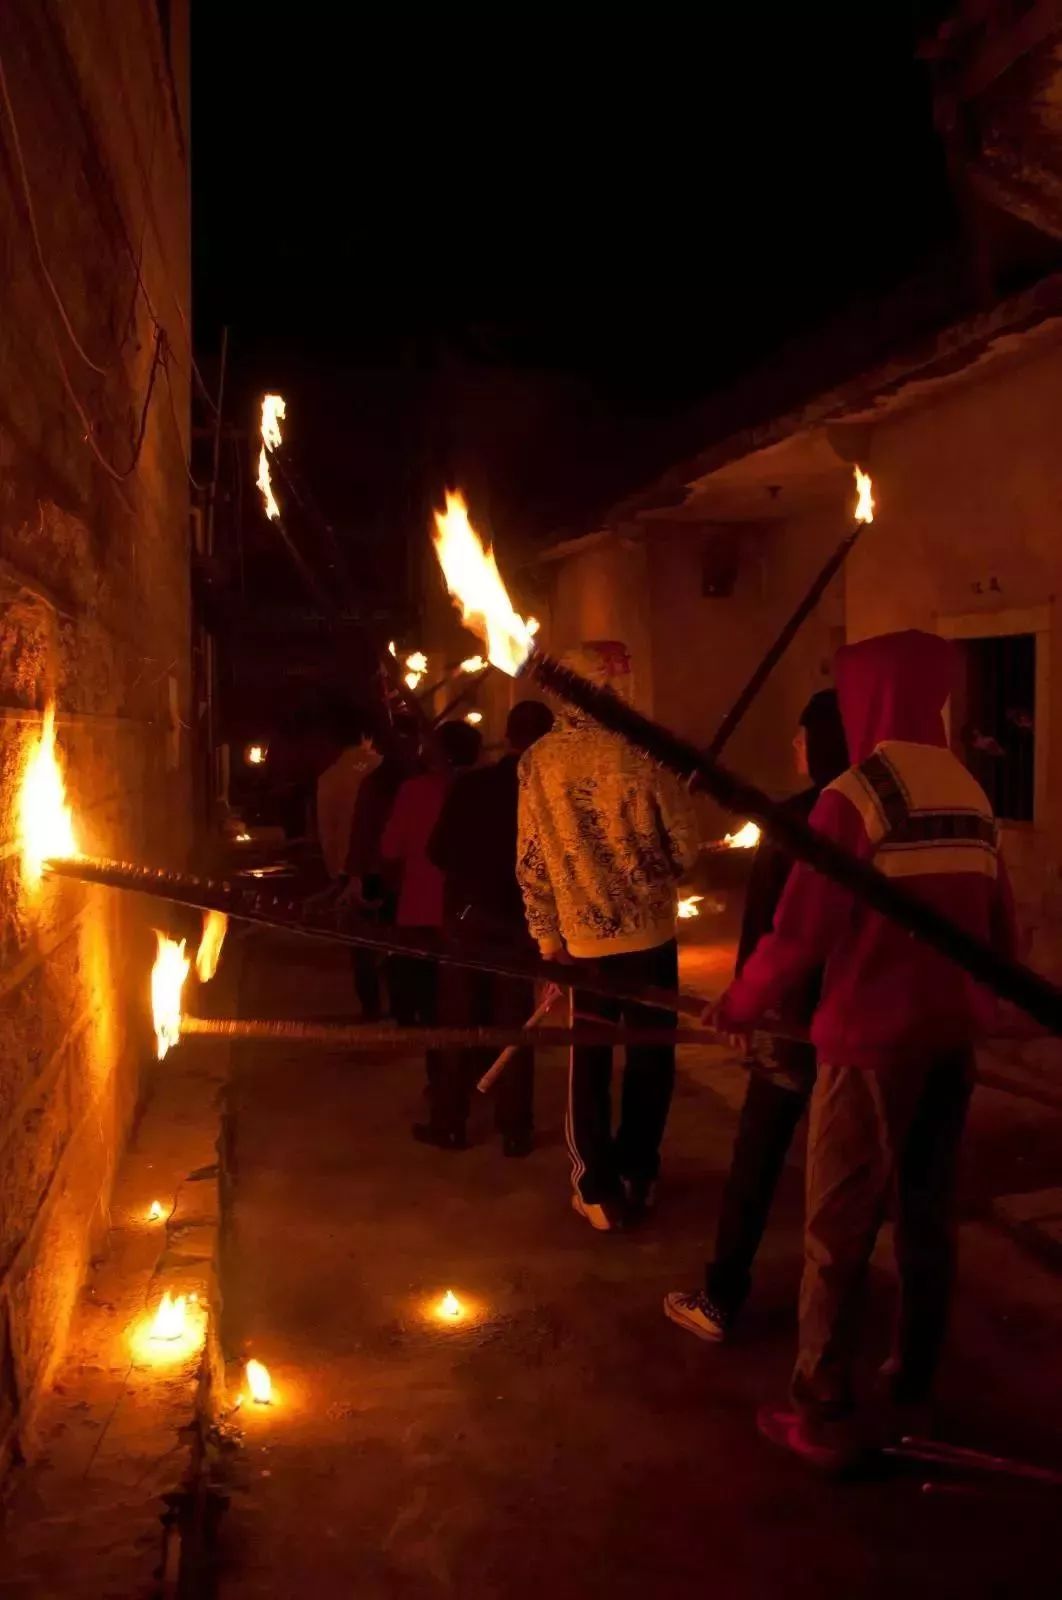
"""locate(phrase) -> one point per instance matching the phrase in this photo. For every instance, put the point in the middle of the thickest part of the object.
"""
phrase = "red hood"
(894, 687)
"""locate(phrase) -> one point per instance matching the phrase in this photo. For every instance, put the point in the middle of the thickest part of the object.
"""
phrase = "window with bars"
(994, 720)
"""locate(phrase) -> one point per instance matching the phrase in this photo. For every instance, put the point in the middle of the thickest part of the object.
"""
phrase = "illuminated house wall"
(93, 611)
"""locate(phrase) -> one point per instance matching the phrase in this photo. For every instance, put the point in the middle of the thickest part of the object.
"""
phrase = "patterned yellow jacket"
(604, 839)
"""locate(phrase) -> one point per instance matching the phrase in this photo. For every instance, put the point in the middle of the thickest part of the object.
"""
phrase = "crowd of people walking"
(574, 844)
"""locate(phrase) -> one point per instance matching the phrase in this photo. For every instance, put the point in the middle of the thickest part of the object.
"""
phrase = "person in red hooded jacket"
(894, 1030)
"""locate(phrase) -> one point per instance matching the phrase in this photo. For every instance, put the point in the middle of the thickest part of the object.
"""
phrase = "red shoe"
(828, 1447)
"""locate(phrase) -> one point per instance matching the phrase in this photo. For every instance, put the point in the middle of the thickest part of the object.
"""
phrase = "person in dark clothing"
(778, 1087)
(474, 847)
(370, 888)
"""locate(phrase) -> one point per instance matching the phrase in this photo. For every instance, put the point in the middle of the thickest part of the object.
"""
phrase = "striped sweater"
(910, 807)
(604, 839)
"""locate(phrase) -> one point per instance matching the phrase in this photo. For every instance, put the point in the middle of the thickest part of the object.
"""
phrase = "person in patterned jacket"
(604, 839)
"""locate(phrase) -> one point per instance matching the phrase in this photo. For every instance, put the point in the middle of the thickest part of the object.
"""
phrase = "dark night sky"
(576, 226)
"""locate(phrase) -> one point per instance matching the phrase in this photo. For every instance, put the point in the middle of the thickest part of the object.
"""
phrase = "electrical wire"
(200, 488)
(27, 195)
(114, 472)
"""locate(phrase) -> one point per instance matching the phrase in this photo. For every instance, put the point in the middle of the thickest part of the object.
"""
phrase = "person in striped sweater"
(894, 1030)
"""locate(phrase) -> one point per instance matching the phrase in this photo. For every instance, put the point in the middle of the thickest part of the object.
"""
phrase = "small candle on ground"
(259, 1383)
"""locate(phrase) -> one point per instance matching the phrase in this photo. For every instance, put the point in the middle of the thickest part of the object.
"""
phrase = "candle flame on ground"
(689, 907)
(171, 1319)
(155, 1211)
(215, 927)
(449, 1306)
(46, 827)
(259, 1383)
(864, 511)
(167, 982)
(473, 579)
(746, 838)
(256, 754)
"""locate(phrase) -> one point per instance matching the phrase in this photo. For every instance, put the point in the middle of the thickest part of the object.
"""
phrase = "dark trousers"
(769, 1119)
(473, 999)
(599, 1160)
(875, 1139)
(414, 984)
(365, 965)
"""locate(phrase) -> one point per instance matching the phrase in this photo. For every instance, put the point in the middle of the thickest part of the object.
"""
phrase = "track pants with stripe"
(600, 1159)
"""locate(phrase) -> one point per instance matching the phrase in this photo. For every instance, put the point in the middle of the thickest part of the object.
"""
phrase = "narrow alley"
(564, 1438)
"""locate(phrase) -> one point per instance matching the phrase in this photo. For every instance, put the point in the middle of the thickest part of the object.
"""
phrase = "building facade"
(94, 612)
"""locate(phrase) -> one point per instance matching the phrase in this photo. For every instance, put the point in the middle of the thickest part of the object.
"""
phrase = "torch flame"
(391, 648)
(273, 411)
(264, 482)
(472, 577)
(259, 1383)
(688, 907)
(864, 511)
(46, 828)
(473, 664)
(170, 1321)
(474, 717)
(273, 414)
(417, 662)
(450, 1305)
(167, 981)
(215, 927)
(746, 838)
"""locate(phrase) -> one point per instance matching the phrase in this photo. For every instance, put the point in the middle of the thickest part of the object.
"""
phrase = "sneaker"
(698, 1315)
(442, 1138)
(601, 1216)
(518, 1144)
(829, 1447)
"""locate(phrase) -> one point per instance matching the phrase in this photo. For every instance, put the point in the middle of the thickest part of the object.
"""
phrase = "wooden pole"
(772, 656)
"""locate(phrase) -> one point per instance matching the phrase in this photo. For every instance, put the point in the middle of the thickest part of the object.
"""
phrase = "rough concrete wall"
(93, 612)
(704, 650)
(970, 498)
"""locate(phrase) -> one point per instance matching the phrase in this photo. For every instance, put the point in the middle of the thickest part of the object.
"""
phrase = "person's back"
(337, 792)
(604, 838)
(911, 807)
(412, 823)
(475, 841)
(610, 838)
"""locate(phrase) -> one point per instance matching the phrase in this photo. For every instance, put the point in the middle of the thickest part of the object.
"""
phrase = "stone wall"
(93, 613)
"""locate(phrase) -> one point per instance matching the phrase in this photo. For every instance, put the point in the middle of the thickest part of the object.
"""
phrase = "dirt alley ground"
(567, 1439)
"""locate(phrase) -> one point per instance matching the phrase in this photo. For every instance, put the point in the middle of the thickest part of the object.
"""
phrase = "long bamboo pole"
(1009, 979)
(259, 904)
(772, 656)
(366, 1036)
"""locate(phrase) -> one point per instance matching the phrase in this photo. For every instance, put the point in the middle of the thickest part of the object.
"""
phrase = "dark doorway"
(995, 721)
